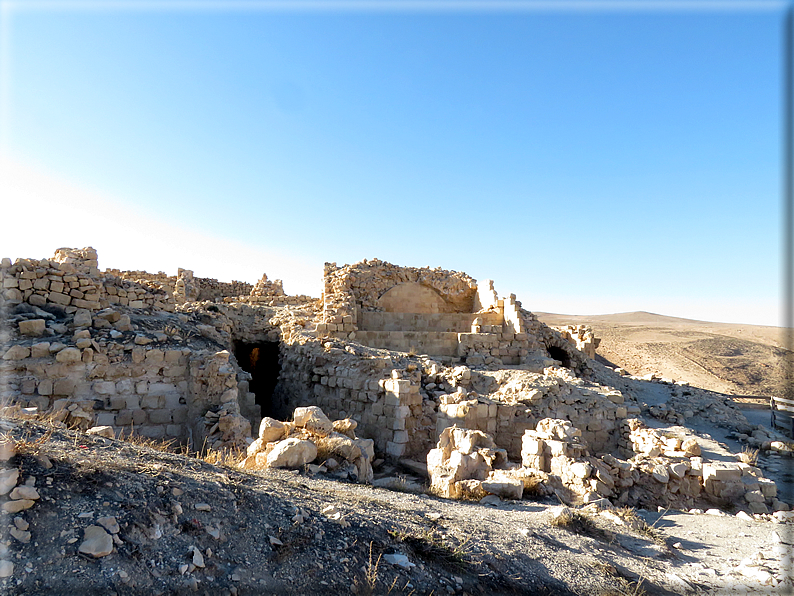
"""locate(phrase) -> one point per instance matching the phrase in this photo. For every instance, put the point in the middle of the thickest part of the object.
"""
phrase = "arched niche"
(412, 297)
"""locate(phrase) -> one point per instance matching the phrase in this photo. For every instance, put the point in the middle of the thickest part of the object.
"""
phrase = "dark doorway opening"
(559, 354)
(261, 360)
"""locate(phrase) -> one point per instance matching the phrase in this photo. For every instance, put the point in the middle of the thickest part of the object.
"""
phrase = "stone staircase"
(434, 334)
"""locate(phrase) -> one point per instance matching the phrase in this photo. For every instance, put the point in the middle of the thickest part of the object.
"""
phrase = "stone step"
(434, 323)
(433, 343)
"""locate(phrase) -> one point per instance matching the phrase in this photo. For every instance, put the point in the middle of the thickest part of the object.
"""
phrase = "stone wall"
(72, 286)
(155, 390)
(359, 287)
(188, 288)
(383, 400)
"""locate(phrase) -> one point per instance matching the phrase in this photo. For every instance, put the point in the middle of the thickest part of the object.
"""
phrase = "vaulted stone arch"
(412, 297)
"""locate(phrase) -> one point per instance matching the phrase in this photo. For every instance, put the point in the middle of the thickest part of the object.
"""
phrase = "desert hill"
(741, 360)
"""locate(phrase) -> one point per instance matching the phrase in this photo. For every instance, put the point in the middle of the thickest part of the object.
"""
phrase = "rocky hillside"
(728, 358)
(91, 515)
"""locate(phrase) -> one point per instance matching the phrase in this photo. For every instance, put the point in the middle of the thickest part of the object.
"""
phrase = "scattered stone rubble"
(310, 437)
(658, 471)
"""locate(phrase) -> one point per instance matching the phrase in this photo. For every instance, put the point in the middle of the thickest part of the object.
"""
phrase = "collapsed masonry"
(403, 352)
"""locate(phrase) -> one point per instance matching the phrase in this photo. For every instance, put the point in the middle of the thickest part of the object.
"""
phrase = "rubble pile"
(309, 437)
(660, 471)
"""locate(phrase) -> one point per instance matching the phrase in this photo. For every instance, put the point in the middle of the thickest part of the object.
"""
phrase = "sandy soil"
(740, 360)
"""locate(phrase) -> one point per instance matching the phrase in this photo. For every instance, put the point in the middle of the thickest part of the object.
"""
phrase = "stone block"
(160, 417)
(32, 327)
(124, 418)
(174, 430)
(150, 402)
(118, 403)
(64, 386)
(105, 419)
(16, 352)
(138, 417)
(153, 432)
(180, 415)
(161, 388)
(68, 356)
(723, 471)
(105, 387)
(396, 449)
(45, 387)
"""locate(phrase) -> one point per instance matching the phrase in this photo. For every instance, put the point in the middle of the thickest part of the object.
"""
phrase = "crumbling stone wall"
(154, 387)
(382, 399)
(71, 284)
(360, 286)
(188, 288)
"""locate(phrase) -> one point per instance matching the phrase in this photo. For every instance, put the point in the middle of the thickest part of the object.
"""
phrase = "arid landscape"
(739, 360)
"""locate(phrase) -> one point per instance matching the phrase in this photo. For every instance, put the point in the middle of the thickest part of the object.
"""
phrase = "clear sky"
(589, 157)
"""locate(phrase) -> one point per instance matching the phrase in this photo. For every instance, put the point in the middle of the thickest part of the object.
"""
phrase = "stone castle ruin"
(400, 354)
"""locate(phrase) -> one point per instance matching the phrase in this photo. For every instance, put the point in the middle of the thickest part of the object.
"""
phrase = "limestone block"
(45, 387)
(82, 318)
(64, 386)
(40, 350)
(161, 388)
(396, 449)
(68, 355)
(97, 542)
(101, 430)
(180, 414)
(271, 430)
(690, 446)
(105, 387)
(724, 471)
(32, 327)
(347, 427)
(16, 352)
(291, 453)
(150, 402)
(768, 488)
(124, 418)
(105, 419)
(678, 470)
(312, 418)
(138, 417)
(506, 488)
(160, 416)
(580, 470)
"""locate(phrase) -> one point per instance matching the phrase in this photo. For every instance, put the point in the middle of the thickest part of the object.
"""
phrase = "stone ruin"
(409, 363)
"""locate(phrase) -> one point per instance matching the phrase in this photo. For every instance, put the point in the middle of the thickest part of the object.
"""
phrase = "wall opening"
(261, 361)
(559, 354)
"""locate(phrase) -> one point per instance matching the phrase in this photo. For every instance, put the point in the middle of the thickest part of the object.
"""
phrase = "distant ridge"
(639, 317)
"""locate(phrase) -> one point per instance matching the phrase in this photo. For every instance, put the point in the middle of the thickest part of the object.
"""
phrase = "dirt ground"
(282, 532)
(739, 360)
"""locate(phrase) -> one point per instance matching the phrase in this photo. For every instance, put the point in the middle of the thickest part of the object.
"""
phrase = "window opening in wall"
(261, 361)
(559, 354)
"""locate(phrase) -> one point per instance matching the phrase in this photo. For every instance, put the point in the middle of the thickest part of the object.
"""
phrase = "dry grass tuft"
(225, 457)
(579, 523)
(748, 455)
(431, 547)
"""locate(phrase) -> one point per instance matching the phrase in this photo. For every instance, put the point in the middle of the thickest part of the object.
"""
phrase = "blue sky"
(589, 161)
